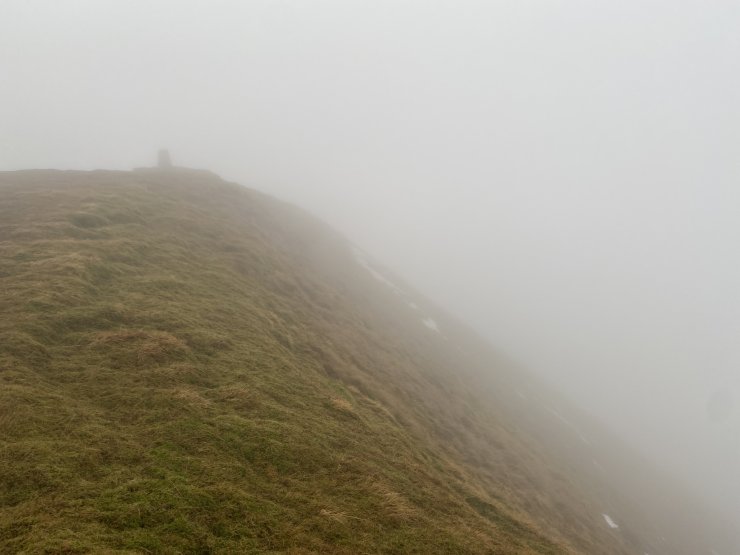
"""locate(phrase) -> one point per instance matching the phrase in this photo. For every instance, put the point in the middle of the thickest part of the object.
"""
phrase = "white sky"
(563, 174)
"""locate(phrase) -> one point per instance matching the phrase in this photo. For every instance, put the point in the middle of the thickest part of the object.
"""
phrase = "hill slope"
(189, 366)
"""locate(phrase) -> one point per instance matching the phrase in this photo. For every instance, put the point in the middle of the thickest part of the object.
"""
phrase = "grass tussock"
(342, 405)
(144, 346)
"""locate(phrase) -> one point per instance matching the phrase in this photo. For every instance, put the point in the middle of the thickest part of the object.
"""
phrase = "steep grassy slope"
(188, 366)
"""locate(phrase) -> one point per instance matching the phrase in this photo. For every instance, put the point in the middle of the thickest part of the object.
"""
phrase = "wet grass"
(177, 377)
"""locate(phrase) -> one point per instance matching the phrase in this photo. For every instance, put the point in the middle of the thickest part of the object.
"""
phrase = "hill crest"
(189, 365)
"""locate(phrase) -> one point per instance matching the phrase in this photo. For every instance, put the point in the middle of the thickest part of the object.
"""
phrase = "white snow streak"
(431, 324)
(568, 423)
(362, 261)
(609, 521)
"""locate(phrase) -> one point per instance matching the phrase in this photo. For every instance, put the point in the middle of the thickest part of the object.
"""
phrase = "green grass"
(189, 366)
(177, 377)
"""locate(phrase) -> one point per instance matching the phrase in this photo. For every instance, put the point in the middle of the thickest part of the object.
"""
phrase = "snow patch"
(362, 261)
(430, 323)
(568, 423)
(609, 521)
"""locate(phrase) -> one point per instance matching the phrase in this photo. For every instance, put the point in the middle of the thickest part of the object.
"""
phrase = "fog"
(563, 175)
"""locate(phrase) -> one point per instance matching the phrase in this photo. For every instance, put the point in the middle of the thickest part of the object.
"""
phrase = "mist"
(560, 175)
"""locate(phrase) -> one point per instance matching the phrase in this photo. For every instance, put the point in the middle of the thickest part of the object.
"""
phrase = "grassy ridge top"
(179, 376)
(190, 366)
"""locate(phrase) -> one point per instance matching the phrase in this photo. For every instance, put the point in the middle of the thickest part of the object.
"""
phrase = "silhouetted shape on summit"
(163, 159)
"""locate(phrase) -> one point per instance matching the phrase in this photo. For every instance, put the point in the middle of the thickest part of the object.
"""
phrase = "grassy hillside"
(189, 366)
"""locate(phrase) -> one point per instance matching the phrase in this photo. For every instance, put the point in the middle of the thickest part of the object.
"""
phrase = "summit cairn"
(164, 162)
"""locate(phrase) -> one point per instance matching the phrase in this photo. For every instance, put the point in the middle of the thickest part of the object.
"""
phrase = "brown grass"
(188, 366)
